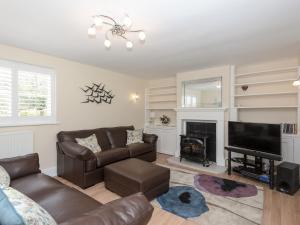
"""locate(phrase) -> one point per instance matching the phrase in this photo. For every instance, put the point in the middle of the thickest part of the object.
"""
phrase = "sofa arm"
(21, 166)
(131, 210)
(76, 151)
(150, 138)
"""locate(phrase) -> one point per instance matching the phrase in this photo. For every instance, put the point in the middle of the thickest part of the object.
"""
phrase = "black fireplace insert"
(199, 143)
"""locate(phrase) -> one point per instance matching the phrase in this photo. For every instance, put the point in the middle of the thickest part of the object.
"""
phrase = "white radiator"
(16, 143)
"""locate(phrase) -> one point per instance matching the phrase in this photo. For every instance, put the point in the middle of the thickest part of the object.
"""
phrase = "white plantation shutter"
(34, 94)
(5, 91)
(27, 94)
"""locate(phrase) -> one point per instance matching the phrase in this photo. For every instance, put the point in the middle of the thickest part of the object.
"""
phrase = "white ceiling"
(181, 35)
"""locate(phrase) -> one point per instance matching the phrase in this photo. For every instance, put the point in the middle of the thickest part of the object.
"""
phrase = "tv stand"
(253, 169)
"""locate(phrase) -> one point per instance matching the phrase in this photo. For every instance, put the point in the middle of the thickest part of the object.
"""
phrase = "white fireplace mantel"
(216, 115)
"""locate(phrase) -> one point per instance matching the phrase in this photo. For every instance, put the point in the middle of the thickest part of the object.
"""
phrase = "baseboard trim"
(52, 171)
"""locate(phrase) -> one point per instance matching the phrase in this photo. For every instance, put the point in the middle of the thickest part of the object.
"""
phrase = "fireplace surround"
(203, 115)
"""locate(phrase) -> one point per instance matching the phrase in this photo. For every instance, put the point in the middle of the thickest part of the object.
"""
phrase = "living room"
(149, 113)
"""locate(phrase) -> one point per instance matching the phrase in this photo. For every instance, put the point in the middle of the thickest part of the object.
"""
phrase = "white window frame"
(14, 119)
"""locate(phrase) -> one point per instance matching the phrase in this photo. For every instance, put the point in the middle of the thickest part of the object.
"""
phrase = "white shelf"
(267, 94)
(266, 82)
(268, 71)
(267, 107)
(165, 86)
(158, 108)
(161, 94)
(158, 101)
(160, 126)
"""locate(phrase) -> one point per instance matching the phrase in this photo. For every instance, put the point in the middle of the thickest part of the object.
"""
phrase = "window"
(27, 94)
(205, 93)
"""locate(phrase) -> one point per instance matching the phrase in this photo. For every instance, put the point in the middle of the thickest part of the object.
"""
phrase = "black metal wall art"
(96, 93)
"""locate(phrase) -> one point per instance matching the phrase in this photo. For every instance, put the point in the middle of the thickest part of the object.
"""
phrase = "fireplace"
(194, 149)
(200, 129)
(199, 143)
(203, 122)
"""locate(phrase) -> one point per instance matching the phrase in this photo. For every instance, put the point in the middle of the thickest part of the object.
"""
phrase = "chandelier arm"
(108, 17)
(124, 37)
(106, 34)
(134, 31)
(107, 23)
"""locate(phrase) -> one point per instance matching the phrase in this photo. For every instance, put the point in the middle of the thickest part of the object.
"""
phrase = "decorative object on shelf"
(289, 128)
(165, 120)
(244, 87)
(121, 30)
(96, 93)
(135, 97)
(152, 117)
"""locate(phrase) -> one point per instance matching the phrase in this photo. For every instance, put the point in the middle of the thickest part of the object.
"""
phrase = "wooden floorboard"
(279, 208)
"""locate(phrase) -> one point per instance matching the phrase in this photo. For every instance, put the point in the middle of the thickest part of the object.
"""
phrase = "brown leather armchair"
(82, 167)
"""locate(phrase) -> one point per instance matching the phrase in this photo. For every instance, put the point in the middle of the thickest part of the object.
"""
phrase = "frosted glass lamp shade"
(127, 21)
(129, 45)
(92, 31)
(107, 43)
(142, 36)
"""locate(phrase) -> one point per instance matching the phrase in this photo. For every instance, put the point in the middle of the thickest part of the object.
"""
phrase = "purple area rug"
(223, 187)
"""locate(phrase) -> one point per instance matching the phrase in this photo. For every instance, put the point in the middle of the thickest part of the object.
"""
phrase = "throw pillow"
(134, 136)
(4, 178)
(90, 143)
(30, 211)
(8, 214)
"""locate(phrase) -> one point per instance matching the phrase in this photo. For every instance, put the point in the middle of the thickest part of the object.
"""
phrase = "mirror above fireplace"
(203, 93)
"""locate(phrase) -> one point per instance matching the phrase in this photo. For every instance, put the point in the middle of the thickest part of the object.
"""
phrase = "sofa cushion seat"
(111, 156)
(60, 201)
(137, 149)
(42, 185)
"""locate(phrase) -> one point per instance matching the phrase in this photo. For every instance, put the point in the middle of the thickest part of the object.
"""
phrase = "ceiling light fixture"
(115, 30)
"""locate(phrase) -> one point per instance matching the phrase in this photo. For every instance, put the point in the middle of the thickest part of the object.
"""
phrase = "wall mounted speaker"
(287, 178)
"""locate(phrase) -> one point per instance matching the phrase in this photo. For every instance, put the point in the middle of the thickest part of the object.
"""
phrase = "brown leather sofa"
(69, 206)
(82, 167)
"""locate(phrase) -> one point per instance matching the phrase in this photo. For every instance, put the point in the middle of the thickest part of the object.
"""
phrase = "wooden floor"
(279, 208)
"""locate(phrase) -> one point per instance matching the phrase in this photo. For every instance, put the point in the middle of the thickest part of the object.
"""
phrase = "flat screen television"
(260, 137)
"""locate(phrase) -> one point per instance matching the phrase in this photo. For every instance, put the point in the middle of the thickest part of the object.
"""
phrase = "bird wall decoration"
(96, 93)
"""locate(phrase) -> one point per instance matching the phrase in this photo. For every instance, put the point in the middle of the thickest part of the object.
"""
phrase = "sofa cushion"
(61, 201)
(36, 186)
(137, 149)
(134, 136)
(30, 211)
(118, 136)
(111, 156)
(100, 133)
(4, 178)
(8, 214)
(89, 142)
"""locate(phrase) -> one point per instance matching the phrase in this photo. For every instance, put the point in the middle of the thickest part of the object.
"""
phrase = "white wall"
(71, 113)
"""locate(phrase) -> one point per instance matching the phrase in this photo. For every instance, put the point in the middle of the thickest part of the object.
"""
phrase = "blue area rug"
(183, 201)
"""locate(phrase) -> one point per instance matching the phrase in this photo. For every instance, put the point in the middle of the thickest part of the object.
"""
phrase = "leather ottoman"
(134, 175)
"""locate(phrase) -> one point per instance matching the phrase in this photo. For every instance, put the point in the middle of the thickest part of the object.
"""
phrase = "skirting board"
(52, 171)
